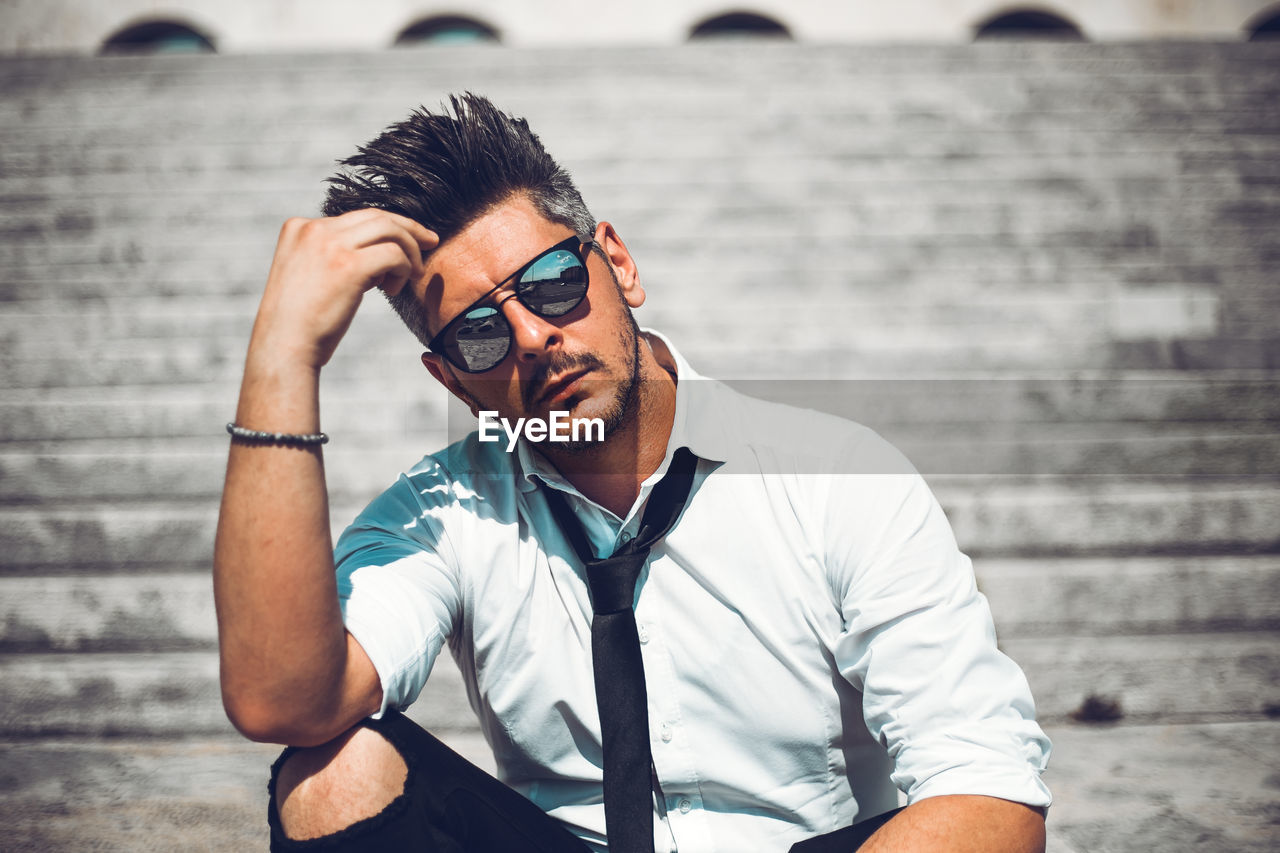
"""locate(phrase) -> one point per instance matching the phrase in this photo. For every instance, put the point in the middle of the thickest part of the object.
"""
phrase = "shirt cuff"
(985, 764)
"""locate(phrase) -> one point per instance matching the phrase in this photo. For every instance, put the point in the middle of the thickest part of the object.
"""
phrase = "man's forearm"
(282, 642)
(961, 824)
(290, 671)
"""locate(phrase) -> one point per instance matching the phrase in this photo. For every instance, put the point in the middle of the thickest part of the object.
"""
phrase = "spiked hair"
(447, 169)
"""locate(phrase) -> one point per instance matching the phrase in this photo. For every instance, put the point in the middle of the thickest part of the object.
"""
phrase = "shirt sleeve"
(955, 713)
(398, 589)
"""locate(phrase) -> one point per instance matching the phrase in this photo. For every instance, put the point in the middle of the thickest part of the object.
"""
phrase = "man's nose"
(531, 335)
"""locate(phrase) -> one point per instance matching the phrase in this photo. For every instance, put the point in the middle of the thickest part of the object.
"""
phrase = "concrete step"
(200, 794)
(1055, 518)
(1183, 788)
(979, 267)
(1125, 789)
(821, 227)
(881, 357)
(160, 612)
(1167, 335)
(109, 538)
(59, 211)
(966, 94)
(170, 694)
(201, 324)
(1098, 186)
(816, 201)
(840, 347)
(1218, 353)
(1114, 597)
(851, 350)
(1098, 399)
(1169, 678)
(163, 412)
(98, 213)
(78, 473)
(1081, 597)
(858, 130)
(810, 274)
(1114, 182)
(182, 470)
(846, 350)
(1166, 58)
(850, 206)
(147, 793)
(1048, 519)
(1110, 68)
(151, 321)
(410, 402)
(1166, 678)
(851, 142)
(1175, 329)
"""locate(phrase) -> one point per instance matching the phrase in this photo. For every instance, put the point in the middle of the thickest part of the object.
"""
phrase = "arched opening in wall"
(446, 29)
(157, 37)
(1265, 26)
(739, 25)
(1027, 24)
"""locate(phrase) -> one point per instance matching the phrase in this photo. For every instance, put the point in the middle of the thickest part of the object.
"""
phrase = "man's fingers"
(412, 244)
(391, 268)
(370, 222)
(372, 229)
(422, 235)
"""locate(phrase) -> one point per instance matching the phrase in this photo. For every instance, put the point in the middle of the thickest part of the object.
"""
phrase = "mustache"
(552, 369)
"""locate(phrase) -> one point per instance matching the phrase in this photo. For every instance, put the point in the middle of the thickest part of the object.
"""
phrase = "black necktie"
(621, 697)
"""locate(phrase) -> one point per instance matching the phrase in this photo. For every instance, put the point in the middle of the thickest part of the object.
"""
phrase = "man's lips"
(562, 386)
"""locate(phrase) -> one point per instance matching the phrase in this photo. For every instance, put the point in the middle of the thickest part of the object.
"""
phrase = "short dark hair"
(447, 169)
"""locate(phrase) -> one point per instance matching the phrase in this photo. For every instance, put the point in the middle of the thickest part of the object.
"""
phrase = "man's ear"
(621, 263)
(439, 368)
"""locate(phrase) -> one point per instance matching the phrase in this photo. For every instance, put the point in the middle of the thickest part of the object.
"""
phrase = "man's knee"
(323, 789)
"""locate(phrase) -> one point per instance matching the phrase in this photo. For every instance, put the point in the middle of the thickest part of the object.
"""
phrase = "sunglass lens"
(554, 284)
(480, 339)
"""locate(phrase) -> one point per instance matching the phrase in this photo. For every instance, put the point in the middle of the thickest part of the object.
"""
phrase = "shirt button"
(643, 634)
(685, 806)
(624, 538)
(666, 733)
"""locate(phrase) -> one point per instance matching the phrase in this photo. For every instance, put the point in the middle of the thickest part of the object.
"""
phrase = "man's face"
(583, 363)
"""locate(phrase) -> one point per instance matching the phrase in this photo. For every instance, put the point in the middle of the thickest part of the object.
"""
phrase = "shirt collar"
(694, 426)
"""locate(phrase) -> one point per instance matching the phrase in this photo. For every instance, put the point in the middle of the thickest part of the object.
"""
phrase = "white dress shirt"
(813, 640)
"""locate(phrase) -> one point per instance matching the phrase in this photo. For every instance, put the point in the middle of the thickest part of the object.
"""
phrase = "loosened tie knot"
(613, 580)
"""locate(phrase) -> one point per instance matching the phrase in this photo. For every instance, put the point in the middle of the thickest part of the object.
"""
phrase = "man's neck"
(611, 474)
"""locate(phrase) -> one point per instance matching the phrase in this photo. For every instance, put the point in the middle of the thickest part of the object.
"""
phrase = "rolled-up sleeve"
(954, 712)
(397, 588)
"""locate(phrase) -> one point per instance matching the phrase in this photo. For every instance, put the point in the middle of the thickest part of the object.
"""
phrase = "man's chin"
(583, 407)
(595, 415)
(571, 410)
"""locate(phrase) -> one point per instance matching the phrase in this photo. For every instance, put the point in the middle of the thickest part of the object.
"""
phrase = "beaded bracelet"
(290, 439)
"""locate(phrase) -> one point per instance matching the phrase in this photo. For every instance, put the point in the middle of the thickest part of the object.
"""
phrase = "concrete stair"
(1046, 272)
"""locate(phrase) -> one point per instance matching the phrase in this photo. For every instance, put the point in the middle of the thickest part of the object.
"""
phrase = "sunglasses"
(550, 285)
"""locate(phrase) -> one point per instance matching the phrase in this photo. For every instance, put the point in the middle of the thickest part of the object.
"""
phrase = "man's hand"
(322, 268)
(290, 671)
(961, 824)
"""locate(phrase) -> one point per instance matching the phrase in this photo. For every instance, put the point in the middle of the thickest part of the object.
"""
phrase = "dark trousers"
(451, 805)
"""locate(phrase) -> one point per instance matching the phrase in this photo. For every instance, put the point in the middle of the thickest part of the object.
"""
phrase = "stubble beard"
(620, 411)
(622, 408)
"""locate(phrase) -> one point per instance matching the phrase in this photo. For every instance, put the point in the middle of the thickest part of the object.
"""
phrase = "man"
(809, 635)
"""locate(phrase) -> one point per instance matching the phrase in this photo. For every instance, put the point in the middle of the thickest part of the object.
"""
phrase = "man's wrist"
(271, 353)
(279, 393)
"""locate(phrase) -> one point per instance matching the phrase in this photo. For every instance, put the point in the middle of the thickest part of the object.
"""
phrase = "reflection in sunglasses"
(551, 285)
